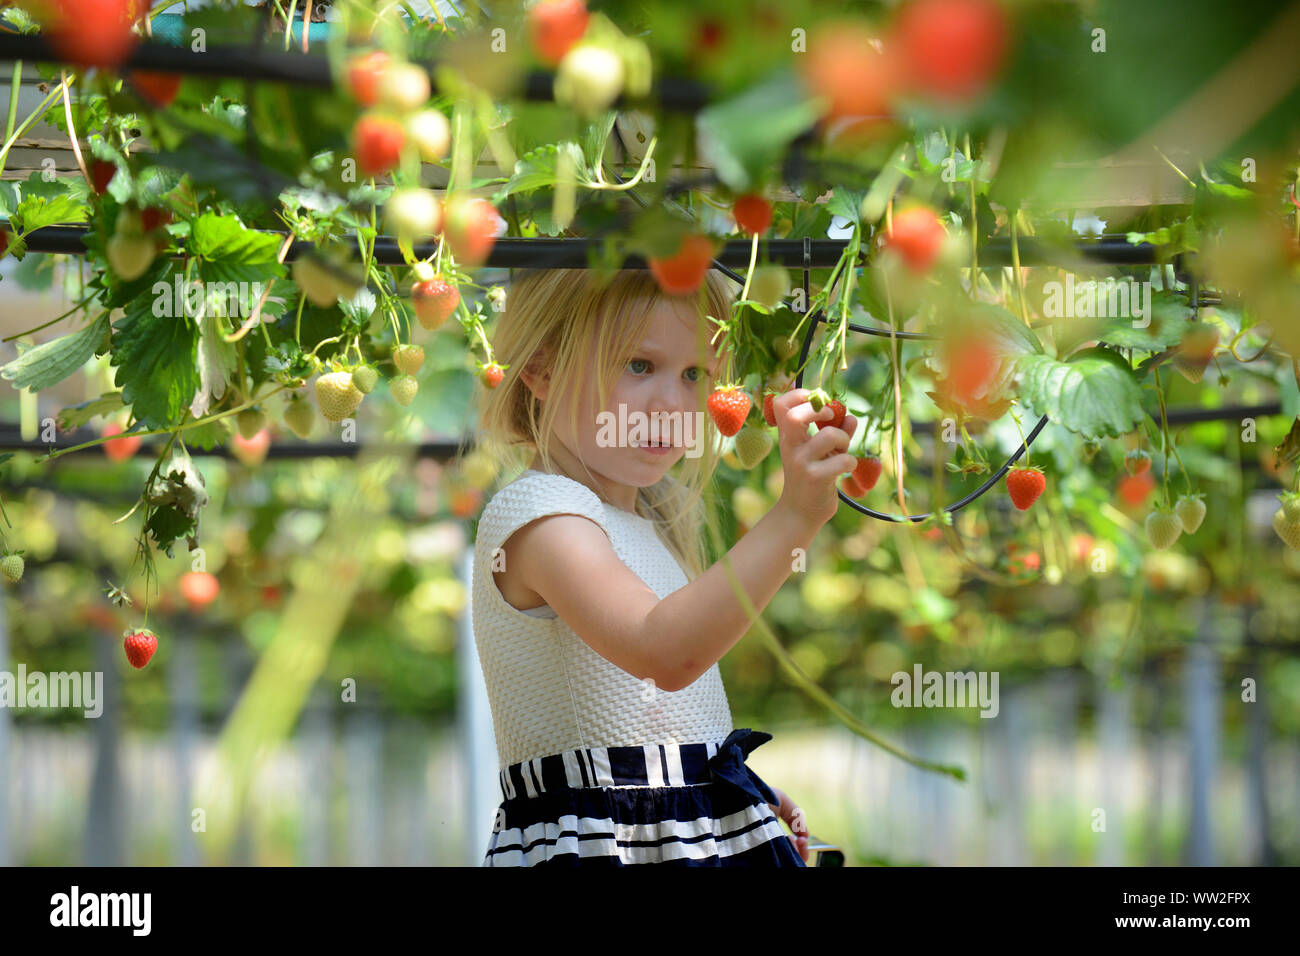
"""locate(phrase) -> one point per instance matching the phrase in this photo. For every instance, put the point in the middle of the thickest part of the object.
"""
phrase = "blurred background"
(316, 699)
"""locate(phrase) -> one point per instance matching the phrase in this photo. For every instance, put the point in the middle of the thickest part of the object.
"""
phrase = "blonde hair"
(556, 321)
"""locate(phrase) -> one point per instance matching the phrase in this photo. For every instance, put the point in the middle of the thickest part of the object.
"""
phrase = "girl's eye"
(637, 362)
(698, 373)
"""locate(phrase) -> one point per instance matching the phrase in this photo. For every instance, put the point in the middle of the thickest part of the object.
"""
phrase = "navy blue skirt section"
(669, 804)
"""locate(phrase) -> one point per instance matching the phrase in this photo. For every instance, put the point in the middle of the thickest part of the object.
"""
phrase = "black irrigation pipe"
(513, 253)
(262, 64)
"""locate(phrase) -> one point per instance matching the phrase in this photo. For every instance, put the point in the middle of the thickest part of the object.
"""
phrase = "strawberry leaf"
(1094, 394)
(155, 358)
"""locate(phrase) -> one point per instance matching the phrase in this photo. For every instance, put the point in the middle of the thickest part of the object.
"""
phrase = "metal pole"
(478, 740)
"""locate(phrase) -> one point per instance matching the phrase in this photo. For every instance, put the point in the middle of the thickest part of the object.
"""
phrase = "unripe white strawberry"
(431, 133)
(413, 213)
(1163, 528)
(337, 396)
(1191, 512)
(404, 388)
(316, 281)
(408, 358)
(130, 252)
(1287, 530)
(752, 446)
(589, 79)
(404, 87)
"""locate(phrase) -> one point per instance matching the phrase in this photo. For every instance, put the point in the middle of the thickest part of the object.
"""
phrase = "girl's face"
(660, 379)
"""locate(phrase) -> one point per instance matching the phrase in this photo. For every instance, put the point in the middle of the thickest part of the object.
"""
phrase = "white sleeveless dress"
(599, 767)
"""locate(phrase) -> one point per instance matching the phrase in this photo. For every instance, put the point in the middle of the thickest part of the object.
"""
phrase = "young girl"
(597, 627)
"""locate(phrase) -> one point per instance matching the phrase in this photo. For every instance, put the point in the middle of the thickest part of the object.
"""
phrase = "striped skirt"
(676, 804)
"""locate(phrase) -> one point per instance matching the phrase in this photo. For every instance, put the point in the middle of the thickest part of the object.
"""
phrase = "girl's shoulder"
(535, 494)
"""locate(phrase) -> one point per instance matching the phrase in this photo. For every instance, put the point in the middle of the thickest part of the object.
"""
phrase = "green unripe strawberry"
(408, 358)
(1190, 511)
(818, 399)
(251, 421)
(404, 388)
(12, 566)
(752, 446)
(1291, 505)
(300, 417)
(769, 286)
(1163, 528)
(364, 378)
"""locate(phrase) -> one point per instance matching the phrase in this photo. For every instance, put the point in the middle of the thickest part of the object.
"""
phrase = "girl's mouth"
(655, 448)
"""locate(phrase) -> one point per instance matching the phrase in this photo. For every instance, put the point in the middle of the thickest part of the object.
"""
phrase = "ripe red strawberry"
(852, 487)
(867, 472)
(140, 645)
(92, 32)
(1025, 485)
(160, 89)
(951, 49)
(729, 407)
(101, 174)
(769, 413)
(4, 241)
(470, 227)
(434, 301)
(916, 234)
(838, 411)
(555, 27)
(153, 218)
(493, 374)
(1137, 462)
(377, 142)
(1135, 488)
(683, 271)
(119, 449)
(844, 67)
(753, 214)
(364, 73)
(199, 588)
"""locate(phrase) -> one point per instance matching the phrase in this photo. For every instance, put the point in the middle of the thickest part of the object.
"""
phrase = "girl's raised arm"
(570, 563)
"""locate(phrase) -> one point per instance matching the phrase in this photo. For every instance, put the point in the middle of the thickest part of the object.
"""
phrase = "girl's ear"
(537, 381)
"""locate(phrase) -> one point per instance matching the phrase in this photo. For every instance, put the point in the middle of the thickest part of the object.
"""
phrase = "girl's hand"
(793, 818)
(812, 463)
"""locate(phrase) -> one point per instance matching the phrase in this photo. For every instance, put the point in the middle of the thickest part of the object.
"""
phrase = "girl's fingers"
(831, 468)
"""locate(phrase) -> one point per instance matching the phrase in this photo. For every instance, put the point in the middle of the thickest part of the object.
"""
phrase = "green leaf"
(743, 138)
(1167, 325)
(74, 417)
(53, 361)
(225, 239)
(155, 358)
(537, 170)
(1094, 394)
(37, 212)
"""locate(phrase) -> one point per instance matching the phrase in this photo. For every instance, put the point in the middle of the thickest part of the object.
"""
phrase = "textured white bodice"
(548, 690)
